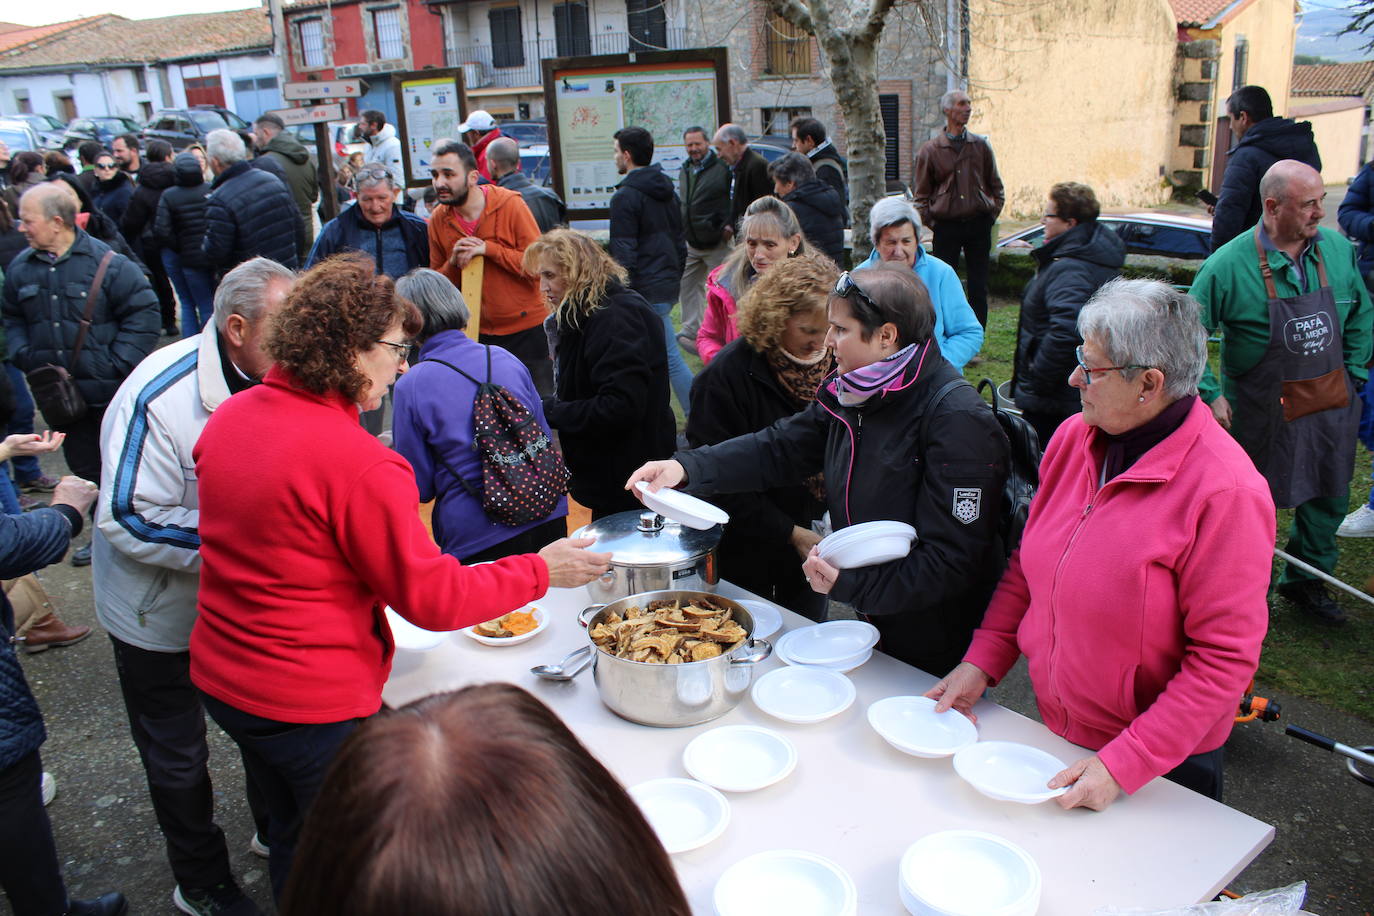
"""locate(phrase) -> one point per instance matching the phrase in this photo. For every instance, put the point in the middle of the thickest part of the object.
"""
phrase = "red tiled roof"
(1193, 13)
(22, 35)
(1355, 79)
(115, 40)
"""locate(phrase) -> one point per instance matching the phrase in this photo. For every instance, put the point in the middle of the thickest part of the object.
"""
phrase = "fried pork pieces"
(670, 633)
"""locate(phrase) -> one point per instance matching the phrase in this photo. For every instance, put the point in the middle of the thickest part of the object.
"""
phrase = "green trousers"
(1312, 536)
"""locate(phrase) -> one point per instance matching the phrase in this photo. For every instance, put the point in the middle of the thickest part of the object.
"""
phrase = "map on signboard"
(665, 109)
(444, 124)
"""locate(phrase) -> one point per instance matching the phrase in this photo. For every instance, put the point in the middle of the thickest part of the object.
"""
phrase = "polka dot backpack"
(523, 476)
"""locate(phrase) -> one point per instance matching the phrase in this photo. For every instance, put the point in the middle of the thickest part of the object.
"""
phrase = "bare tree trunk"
(848, 32)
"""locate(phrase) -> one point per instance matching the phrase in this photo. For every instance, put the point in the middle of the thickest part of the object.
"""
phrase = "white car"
(1165, 235)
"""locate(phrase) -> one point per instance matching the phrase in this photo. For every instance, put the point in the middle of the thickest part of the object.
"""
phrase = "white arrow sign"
(315, 114)
(322, 89)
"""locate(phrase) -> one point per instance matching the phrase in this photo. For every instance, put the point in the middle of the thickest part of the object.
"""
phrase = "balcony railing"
(479, 71)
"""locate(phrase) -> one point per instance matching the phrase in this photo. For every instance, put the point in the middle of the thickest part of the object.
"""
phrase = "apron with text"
(1295, 412)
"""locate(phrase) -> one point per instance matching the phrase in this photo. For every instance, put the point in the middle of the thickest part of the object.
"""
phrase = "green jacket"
(705, 199)
(301, 179)
(1231, 291)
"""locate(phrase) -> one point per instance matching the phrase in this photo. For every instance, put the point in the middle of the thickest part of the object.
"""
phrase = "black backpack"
(1023, 468)
(523, 476)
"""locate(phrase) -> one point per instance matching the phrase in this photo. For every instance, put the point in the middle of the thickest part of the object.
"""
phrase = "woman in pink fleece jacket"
(1138, 594)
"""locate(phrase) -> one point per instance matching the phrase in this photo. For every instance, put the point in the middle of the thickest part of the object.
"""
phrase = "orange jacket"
(510, 298)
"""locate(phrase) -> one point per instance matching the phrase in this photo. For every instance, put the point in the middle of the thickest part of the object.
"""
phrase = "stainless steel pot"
(652, 553)
(674, 696)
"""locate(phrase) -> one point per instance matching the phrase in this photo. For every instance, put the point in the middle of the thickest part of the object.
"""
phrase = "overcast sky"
(42, 14)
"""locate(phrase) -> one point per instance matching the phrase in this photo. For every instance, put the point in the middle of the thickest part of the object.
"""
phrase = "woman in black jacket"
(818, 206)
(771, 372)
(178, 228)
(113, 189)
(137, 225)
(610, 403)
(884, 459)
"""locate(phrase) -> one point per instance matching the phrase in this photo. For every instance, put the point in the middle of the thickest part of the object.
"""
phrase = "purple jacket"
(433, 414)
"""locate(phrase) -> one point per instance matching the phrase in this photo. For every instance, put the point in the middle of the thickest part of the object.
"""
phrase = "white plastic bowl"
(867, 544)
(1007, 771)
(912, 726)
(803, 695)
(739, 758)
(685, 814)
(785, 882)
(407, 635)
(829, 644)
(844, 666)
(504, 641)
(968, 873)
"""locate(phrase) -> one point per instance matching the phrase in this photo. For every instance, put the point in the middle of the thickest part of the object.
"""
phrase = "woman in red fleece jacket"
(1138, 594)
(308, 527)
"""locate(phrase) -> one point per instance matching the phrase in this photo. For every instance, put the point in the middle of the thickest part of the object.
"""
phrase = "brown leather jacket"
(957, 181)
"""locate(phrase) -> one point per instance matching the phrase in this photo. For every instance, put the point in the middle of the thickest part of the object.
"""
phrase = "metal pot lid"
(648, 539)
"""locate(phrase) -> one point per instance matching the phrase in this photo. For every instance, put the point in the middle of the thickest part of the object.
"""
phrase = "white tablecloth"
(860, 802)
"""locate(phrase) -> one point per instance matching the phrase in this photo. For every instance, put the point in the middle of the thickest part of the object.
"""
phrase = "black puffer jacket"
(137, 224)
(1238, 205)
(180, 222)
(249, 213)
(646, 233)
(43, 306)
(112, 196)
(821, 214)
(611, 406)
(876, 468)
(737, 394)
(1072, 267)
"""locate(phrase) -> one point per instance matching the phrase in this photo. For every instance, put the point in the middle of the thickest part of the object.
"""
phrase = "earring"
(1141, 399)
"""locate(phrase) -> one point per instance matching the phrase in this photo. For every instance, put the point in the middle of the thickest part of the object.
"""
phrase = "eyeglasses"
(1089, 370)
(846, 287)
(401, 350)
(105, 165)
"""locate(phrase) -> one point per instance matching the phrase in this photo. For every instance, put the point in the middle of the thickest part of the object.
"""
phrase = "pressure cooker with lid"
(652, 553)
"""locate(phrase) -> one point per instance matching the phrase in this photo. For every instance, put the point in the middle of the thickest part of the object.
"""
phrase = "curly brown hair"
(586, 266)
(790, 287)
(338, 309)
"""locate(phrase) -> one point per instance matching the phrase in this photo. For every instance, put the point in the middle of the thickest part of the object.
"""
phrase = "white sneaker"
(49, 788)
(1358, 524)
(257, 847)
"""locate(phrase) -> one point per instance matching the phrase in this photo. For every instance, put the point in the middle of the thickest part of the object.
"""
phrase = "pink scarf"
(857, 386)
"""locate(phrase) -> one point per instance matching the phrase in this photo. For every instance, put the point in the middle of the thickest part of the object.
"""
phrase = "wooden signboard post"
(320, 116)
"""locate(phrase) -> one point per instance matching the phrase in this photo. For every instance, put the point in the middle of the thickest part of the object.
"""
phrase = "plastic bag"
(1282, 901)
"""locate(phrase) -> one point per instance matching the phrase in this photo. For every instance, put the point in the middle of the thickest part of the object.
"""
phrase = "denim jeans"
(195, 290)
(25, 466)
(678, 374)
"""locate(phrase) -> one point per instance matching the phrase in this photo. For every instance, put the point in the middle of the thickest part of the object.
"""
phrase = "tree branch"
(872, 28)
(795, 12)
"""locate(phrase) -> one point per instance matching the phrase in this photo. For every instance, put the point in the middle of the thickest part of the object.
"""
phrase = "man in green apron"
(1297, 323)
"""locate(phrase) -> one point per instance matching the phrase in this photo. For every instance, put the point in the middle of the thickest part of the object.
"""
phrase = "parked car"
(48, 128)
(770, 148)
(101, 129)
(18, 135)
(526, 133)
(183, 126)
(535, 162)
(1165, 235)
(345, 138)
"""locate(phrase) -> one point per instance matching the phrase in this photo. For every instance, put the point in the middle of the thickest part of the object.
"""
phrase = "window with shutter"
(572, 29)
(310, 33)
(386, 29)
(647, 24)
(789, 48)
(507, 45)
(892, 144)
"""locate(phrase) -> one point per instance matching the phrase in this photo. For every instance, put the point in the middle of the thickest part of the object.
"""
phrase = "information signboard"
(322, 89)
(588, 99)
(314, 114)
(429, 107)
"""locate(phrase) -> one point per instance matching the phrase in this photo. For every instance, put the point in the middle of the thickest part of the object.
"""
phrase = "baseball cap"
(478, 120)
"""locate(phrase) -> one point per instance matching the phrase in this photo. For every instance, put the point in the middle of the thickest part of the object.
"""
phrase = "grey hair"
(732, 132)
(1148, 323)
(439, 302)
(947, 100)
(370, 179)
(53, 202)
(243, 291)
(225, 146)
(892, 211)
(504, 150)
(792, 168)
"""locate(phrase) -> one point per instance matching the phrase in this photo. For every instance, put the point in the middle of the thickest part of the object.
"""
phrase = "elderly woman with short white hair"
(1138, 594)
(895, 227)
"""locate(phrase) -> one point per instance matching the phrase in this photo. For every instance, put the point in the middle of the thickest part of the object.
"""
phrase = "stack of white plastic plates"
(867, 544)
(968, 873)
(739, 758)
(1008, 771)
(682, 508)
(840, 644)
(785, 882)
(803, 695)
(912, 726)
(407, 635)
(685, 814)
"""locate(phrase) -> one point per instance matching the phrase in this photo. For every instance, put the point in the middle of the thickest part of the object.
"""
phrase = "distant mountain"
(1317, 28)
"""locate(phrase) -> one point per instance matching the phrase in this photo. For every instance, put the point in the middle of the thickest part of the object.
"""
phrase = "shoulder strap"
(92, 297)
(460, 371)
(934, 402)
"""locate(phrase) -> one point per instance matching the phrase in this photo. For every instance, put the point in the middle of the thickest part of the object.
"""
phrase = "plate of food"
(510, 629)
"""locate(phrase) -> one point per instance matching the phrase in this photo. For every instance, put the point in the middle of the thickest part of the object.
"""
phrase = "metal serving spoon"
(569, 668)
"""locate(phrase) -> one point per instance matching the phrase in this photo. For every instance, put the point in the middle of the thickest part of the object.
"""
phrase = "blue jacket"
(399, 246)
(27, 543)
(250, 213)
(1356, 216)
(1239, 206)
(957, 331)
(433, 414)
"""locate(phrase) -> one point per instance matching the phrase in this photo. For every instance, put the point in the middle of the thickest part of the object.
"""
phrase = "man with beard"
(489, 221)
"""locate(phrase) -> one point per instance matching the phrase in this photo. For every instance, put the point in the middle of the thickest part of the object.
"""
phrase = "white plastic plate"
(682, 508)
(968, 872)
(829, 643)
(912, 726)
(767, 619)
(867, 544)
(785, 882)
(844, 666)
(803, 695)
(501, 641)
(685, 814)
(407, 635)
(739, 758)
(1008, 771)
